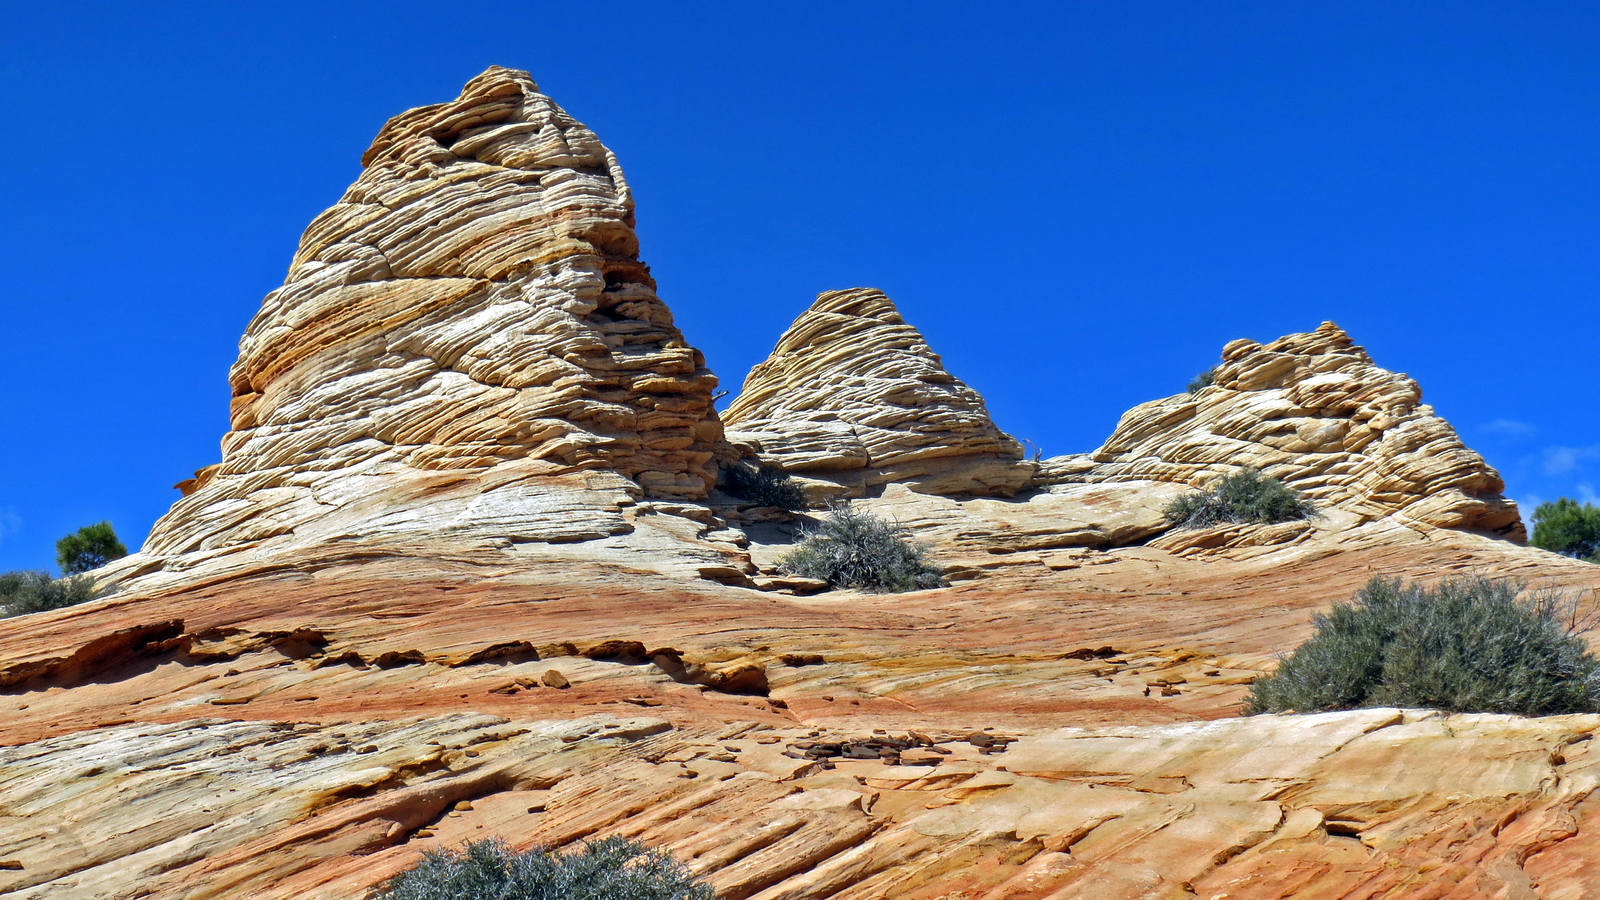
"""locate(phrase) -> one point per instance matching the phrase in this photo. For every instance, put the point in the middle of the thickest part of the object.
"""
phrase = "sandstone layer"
(853, 396)
(466, 349)
(457, 577)
(1313, 411)
(1051, 733)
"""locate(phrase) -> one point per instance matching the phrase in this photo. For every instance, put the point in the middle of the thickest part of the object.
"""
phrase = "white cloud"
(1510, 428)
(10, 523)
(1586, 494)
(1561, 460)
(1526, 505)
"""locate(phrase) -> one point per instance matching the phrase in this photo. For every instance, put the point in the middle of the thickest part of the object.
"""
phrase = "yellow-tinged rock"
(1315, 412)
(853, 395)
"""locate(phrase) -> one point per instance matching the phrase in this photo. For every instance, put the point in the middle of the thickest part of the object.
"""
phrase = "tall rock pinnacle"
(854, 395)
(466, 341)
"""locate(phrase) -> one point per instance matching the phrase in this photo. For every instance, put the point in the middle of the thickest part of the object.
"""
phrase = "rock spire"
(466, 341)
(853, 395)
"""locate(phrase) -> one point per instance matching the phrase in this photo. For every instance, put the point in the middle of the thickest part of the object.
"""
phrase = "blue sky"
(1078, 203)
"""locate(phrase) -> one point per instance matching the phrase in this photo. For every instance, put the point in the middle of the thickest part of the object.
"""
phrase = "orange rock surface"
(524, 614)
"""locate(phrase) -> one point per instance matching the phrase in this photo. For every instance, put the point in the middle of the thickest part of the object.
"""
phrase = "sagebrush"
(609, 869)
(854, 549)
(1243, 496)
(32, 591)
(1465, 645)
(1202, 381)
(762, 485)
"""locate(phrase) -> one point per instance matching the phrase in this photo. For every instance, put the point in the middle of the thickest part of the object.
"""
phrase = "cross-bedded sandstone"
(853, 396)
(456, 577)
(1313, 411)
(466, 348)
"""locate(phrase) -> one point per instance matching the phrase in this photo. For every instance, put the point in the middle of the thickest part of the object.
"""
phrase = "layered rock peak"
(853, 395)
(467, 340)
(1314, 411)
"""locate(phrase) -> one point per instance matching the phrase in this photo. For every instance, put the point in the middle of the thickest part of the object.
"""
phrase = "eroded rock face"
(466, 344)
(1313, 411)
(853, 395)
(423, 601)
(1067, 729)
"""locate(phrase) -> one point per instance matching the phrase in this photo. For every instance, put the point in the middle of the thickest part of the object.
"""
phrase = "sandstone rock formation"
(453, 580)
(303, 734)
(852, 395)
(466, 346)
(1313, 411)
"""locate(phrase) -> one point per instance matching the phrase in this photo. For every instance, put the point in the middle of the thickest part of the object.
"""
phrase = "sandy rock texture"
(1313, 411)
(466, 348)
(461, 574)
(307, 732)
(853, 396)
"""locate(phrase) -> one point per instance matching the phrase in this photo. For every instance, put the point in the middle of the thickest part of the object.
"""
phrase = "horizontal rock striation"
(1357, 804)
(1073, 734)
(466, 342)
(853, 395)
(1313, 411)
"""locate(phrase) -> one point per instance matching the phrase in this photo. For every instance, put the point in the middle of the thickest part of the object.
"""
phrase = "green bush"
(30, 592)
(763, 486)
(1244, 496)
(610, 869)
(1203, 380)
(1465, 645)
(853, 549)
(1568, 528)
(90, 547)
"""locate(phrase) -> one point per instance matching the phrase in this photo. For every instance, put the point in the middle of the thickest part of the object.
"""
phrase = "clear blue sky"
(1079, 203)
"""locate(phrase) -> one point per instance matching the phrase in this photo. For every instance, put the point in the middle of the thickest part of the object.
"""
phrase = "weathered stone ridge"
(468, 326)
(1313, 411)
(852, 394)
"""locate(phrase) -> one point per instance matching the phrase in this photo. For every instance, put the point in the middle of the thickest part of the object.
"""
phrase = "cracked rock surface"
(1028, 732)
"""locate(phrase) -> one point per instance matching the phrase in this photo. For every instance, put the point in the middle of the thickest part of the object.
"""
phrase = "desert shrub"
(1567, 527)
(610, 869)
(1244, 496)
(1203, 380)
(29, 592)
(762, 485)
(90, 547)
(1466, 645)
(854, 549)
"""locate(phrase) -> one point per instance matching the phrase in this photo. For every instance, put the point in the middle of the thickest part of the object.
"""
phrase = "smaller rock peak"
(1327, 339)
(865, 303)
(497, 78)
(497, 95)
(1313, 410)
(852, 395)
